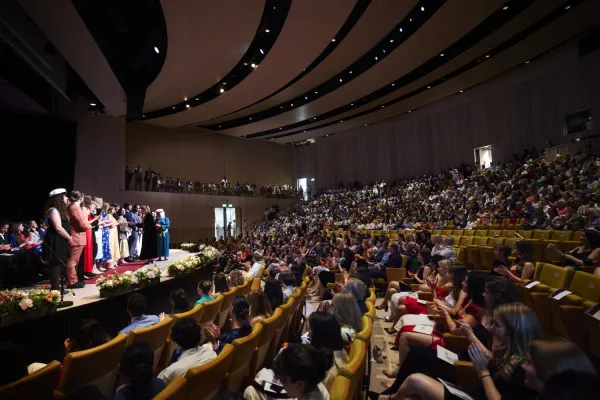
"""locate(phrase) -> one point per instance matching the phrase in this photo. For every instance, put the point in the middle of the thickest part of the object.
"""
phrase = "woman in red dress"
(88, 206)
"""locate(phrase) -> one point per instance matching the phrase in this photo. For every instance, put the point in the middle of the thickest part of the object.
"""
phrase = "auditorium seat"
(457, 232)
(468, 232)
(486, 253)
(245, 289)
(272, 329)
(256, 282)
(354, 370)
(177, 389)
(473, 255)
(97, 367)
(156, 336)
(370, 310)
(562, 236)
(467, 377)
(242, 369)
(367, 329)
(372, 297)
(526, 234)
(286, 314)
(341, 389)
(38, 385)
(196, 313)
(542, 235)
(223, 317)
(508, 233)
(206, 381)
(211, 310)
(568, 313)
(455, 343)
(494, 233)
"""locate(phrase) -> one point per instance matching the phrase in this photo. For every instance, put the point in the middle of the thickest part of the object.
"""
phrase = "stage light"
(261, 51)
(400, 29)
(504, 8)
(422, 8)
(567, 7)
(442, 55)
(187, 106)
(428, 87)
(333, 40)
(156, 50)
(527, 62)
(391, 40)
(93, 104)
(267, 30)
(253, 65)
(222, 90)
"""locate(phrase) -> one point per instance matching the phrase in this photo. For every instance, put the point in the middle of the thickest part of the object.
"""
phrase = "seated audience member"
(236, 278)
(446, 249)
(240, 326)
(256, 266)
(260, 308)
(274, 293)
(394, 261)
(584, 255)
(501, 254)
(358, 289)
(524, 264)
(287, 283)
(348, 314)
(179, 301)
(136, 305)
(514, 328)
(186, 334)
(8, 242)
(204, 289)
(548, 359)
(221, 285)
(135, 370)
(571, 385)
(12, 367)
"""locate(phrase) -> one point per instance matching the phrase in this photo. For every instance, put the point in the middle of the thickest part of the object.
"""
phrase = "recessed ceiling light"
(376, 58)
(156, 50)
(315, 118)
(487, 56)
(304, 131)
(281, 107)
(350, 71)
(391, 40)
(93, 104)
(267, 30)
(250, 118)
(428, 87)
(222, 90)
(400, 29)
(305, 98)
(187, 106)
(527, 62)
(261, 51)
(340, 79)
(328, 135)
(219, 126)
(316, 92)
(393, 84)
(442, 55)
(567, 7)
(505, 8)
(409, 111)
(280, 128)
(333, 40)
(291, 105)
(342, 121)
(143, 115)
(382, 106)
(462, 91)
(253, 65)
(351, 104)
(366, 124)
(173, 107)
(410, 19)
(197, 99)
(245, 63)
(384, 50)
(422, 8)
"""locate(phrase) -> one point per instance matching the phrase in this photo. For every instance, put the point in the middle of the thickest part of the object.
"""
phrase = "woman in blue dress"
(162, 231)
(106, 254)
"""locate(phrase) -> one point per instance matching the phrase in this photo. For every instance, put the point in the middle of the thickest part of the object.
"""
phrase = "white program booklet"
(531, 284)
(559, 294)
(446, 355)
(455, 390)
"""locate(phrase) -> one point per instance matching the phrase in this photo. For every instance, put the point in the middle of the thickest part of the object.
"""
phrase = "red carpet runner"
(132, 266)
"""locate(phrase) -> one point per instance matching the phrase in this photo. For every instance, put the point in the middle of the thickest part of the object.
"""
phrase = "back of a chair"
(370, 310)
(245, 289)
(495, 241)
(211, 310)
(341, 389)
(286, 312)
(306, 272)
(372, 297)
(243, 363)
(38, 385)
(205, 381)
(367, 329)
(395, 274)
(355, 367)
(196, 313)
(268, 337)
(177, 389)
(223, 315)
(563, 236)
(468, 232)
(555, 276)
(508, 233)
(586, 286)
(155, 335)
(289, 325)
(97, 367)
(465, 241)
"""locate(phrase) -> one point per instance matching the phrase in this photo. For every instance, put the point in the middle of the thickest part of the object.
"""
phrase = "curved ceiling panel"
(295, 49)
(378, 20)
(439, 33)
(203, 36)
(405, 30)
(479, 51)
(554, 28)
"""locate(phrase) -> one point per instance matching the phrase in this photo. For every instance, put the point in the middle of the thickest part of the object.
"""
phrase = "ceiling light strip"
(546, 20)
(357, 12)
(398, 35)
(495, 21)
(273, 18)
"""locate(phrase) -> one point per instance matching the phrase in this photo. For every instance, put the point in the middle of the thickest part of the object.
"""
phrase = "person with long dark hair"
(149, 237)
(135, 369)
(274, 293)
(57, 239)
(240, 326)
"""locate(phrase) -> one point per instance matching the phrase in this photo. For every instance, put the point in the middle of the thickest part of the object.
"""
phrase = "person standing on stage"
(79, 225)
(162, 230)
(149, 236)
(57, 239)
(134, 222)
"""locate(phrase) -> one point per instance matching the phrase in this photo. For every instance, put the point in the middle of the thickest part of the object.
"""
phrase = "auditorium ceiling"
(286, 70)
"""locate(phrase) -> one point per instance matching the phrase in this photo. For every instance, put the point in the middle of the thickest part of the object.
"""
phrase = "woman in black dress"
(56, 241)
(149, 245)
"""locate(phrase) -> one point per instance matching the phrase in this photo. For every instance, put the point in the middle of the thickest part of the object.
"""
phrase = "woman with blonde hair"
(236, 278)
(347, 312)
(260, 308)
(113, 233)
(514, 327)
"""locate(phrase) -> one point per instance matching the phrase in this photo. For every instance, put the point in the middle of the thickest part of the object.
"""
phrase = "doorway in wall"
(302, 183)
(227, 220)
(483, 156)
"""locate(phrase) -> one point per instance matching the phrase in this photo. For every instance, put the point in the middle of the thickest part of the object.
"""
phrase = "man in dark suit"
(394, 261)
(137, 175)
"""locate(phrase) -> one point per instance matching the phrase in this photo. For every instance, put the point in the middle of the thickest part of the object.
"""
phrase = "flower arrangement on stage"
(116, 281)
(190, 263)
(189, 246)
(146, 274)
(14, 301)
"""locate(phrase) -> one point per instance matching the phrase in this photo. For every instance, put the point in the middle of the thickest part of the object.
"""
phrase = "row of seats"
(98, 366)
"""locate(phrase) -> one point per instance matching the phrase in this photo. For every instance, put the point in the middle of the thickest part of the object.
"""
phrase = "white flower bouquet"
(115, 281)
(146, 274)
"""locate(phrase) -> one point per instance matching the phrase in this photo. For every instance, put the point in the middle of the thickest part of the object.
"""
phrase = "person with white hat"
(162, 227)
(57, 239)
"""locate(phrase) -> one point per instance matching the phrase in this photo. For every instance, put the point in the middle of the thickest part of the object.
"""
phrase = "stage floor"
(90, 293)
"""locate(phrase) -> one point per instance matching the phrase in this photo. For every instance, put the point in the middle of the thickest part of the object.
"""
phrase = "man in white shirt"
(446, 251)
(255, 269)
(186, 333)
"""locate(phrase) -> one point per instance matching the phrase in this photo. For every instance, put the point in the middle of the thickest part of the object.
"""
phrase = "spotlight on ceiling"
(316, 92)
(261, 51)
(187, 106)
(253, 65)
(391, 40)
(567, 7)
(92, 104)
(400, 29)
(333, 40)
(376, 58)
(409, 111)
(487, 56)
(267, 30)
(382, 106)
(462, 91)
(442, 55)
(156, 50)
(422, 8)
(222, 90)
(504, 8)
(340, 79)
(527, 62)
(428, 87)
